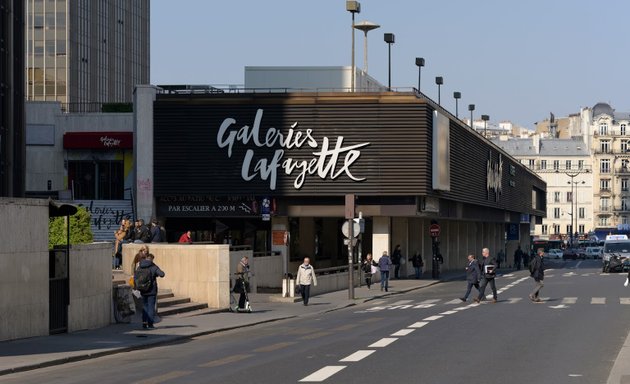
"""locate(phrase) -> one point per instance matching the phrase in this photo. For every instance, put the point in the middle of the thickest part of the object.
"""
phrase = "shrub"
(80, 229)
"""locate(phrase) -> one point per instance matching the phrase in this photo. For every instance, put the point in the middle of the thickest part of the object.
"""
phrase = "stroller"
(241, 287)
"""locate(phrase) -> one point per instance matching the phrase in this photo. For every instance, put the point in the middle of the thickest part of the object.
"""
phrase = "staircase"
(167, 302)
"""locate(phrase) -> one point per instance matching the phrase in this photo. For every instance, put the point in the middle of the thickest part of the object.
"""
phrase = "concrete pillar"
(281, 224)
(381, 236)
(144, 96)
(307, 241)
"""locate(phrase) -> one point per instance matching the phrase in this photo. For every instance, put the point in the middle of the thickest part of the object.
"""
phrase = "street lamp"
(353, 7)
(420, 64)
(573, 213)
(457, 96)
(439, 80)
(389, 39)
(366, 27)
(485, 119)
(471, 108)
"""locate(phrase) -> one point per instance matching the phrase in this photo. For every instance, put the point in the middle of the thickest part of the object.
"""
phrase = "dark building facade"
(12, 150)
(241, 167)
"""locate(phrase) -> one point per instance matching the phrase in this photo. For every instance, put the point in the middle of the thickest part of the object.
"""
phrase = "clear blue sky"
(516, 60)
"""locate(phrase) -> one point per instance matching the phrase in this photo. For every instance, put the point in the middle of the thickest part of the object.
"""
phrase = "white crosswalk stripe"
(598, 300)
(453, 302)
(514, 300)
(624, 300)
(569, 300)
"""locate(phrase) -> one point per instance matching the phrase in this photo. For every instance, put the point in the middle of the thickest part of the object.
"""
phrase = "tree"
(80, 229)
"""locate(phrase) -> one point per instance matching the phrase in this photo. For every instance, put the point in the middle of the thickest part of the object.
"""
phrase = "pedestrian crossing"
(382, 305)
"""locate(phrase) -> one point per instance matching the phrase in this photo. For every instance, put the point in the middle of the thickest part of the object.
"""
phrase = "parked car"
(594, 252)
(554, 253)
(570, 254)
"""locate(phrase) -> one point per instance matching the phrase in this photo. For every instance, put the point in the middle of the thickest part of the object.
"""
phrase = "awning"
(98, 140)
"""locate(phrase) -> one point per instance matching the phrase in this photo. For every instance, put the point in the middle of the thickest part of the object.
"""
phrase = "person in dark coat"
(472, 276)
(149, 297)
(143, 235)
(518, 257)
(537, 270)
(384, 264)
(156, 232)
(417, 263)
(488, 273)
(396, 260)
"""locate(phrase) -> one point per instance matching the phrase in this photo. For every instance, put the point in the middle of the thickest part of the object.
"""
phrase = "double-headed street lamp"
(420, 64)
(353, 7)
(389, 39)
(457, 96)
(485, 119)
(574, 199)
(439, 80)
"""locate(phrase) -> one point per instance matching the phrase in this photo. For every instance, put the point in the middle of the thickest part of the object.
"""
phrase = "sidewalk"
(37, 352)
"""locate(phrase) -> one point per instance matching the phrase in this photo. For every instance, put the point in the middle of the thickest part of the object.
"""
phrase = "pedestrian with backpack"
(488, 273)
(537, 271)
(145, 281)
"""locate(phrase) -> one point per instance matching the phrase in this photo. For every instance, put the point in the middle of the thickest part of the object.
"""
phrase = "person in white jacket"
(305, 278)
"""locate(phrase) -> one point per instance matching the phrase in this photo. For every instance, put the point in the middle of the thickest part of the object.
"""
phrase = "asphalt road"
(426, 336)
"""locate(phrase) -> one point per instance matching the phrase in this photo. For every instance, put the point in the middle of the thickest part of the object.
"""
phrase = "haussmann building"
(272, 171)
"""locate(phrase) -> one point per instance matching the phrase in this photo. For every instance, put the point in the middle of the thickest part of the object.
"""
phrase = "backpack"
(143, 279)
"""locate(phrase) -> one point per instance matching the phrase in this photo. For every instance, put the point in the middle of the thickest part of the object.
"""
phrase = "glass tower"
(83, 51)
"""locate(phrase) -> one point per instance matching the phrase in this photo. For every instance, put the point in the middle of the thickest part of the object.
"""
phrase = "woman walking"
(305, 278)
(369, 268)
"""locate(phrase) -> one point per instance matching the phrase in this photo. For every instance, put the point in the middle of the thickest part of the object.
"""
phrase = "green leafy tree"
(80, 229)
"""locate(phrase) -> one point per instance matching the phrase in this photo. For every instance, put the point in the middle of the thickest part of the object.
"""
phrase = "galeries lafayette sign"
(330, 158)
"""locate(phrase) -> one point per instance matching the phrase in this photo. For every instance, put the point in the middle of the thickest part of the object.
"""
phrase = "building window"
(567, 164)
(581, 211)
(532, 163)
(581, 228)
(624, 146)
(556, 229)
(604, 184)
(624, 185)
(569, 229)
(580, 164)
(624, 165)
(603, 129)
(604, 166)
(556, 165)
(622, 129)
(603, 221)
(624, 220)
(604, 146)
(96, 180)
(543, 164)
(556, 197)
(569, 196)
(544, 229)
(556, 213)
(604, 204)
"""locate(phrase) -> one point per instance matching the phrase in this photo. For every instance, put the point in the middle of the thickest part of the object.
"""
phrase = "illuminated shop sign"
(330, 157)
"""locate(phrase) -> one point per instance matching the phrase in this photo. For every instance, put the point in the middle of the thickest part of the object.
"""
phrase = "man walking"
(537, 269)
(488, 273)
(384, 264)
(472, 276)
(518, 257)
(397, 260)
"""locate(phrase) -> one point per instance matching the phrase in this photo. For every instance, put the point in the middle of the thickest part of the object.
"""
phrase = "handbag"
(298, 289)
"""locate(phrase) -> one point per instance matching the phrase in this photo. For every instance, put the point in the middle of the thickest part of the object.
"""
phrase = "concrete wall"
(90, 286)
(201, 272)
(268, 271)
(23, 268)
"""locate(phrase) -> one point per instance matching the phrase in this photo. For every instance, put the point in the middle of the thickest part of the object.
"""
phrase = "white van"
(615, 245)
(593, 252)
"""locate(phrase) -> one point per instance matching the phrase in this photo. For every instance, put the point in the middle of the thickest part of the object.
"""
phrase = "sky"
(515, 60)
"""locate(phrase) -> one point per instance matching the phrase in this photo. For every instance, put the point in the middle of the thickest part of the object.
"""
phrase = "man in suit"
(488, 273)
(537, 269)
(472, 276)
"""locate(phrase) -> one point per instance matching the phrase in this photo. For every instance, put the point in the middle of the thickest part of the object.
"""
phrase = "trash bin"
(124, 304)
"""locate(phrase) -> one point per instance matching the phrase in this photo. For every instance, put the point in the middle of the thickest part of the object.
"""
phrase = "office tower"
(81, 51)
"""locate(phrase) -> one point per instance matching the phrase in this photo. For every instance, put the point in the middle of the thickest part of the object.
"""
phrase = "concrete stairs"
(167, 302)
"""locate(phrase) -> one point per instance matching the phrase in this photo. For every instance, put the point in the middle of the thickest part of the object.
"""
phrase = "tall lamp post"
(353, 7)
(471, 108)
(457, 96)
(573, 213)
(439, 80)
(485, 119)
(366, 27)
(389, 39)
(420, 64)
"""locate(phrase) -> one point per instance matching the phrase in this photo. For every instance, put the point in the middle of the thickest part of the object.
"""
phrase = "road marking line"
(165, 377)
(357, 356)
(514, 300)
(424, 306)
(448, 313)
(402, 302)
(402, 332)
(316, 335)
(624, 300)
(376, 308)
(598, 300)
(377, 302)
(419, 324)
(569, 300)
(550, 275)
(452, 302)
(345, 327)
(384, 342)
(322, 374)
(460, 308)
(559, 306)
(431, 318)
(431, 301)
(401, 307)
(274, 347)
(225, 360)
(508, 275)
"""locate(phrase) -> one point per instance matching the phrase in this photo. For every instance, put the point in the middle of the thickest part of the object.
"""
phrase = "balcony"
(623, 209)
(623, 170)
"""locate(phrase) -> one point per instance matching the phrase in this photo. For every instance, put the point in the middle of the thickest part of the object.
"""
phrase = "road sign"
(356, 229)
(434, 230)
